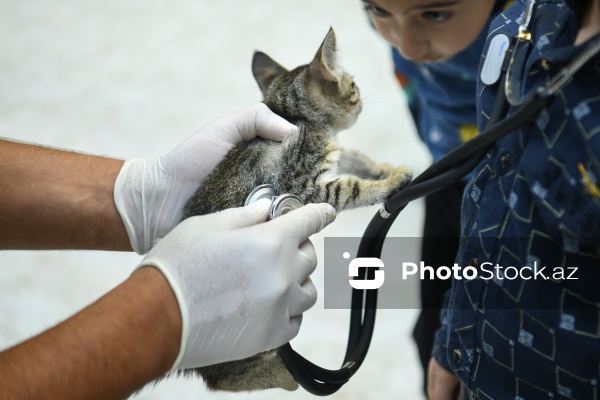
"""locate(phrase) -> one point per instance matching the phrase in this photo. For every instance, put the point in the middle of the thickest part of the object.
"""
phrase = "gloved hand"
(242, 284)
(150, 195)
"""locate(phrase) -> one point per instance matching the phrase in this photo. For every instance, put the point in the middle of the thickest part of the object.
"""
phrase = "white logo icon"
(366, 262)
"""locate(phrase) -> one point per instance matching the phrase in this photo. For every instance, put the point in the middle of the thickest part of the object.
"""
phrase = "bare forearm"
(52, 199)
(107, 351)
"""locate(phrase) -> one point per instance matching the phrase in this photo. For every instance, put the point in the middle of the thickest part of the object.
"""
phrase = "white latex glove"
(242, 284)
(150, 195)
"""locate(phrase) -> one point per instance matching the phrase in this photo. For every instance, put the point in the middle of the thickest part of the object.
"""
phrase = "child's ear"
(325, 60)
(265, 70)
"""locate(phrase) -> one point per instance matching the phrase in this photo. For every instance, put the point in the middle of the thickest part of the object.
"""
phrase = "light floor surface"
(131, 79)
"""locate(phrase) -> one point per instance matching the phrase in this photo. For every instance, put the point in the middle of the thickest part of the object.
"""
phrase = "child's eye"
(379, 12)
(436, 16)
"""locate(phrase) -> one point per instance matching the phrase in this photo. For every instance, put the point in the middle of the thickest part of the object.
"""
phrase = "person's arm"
(167, 315)
(441, 383)
(217, 288)
(109, 350)
(53, 199)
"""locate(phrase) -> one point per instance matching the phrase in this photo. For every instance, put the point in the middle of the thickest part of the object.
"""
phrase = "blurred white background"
(131, 79)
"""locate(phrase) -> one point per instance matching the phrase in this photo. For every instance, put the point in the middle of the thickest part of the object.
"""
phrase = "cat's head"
(316, 93)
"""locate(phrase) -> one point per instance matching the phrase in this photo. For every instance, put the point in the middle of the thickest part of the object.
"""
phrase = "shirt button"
(545, 64)
(474, 262)
(457, 356)
(505, 161)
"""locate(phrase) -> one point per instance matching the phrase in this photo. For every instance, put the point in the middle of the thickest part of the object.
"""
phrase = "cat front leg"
(346, 192)
(353, 162)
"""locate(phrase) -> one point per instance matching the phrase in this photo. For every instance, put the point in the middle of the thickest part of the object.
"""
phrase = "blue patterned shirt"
(525, 331)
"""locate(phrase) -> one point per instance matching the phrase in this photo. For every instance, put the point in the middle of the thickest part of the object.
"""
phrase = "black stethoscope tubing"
(446, 171)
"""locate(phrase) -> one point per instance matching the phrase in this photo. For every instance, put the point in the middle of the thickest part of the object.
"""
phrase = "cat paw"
(399, 178)
(384, 171)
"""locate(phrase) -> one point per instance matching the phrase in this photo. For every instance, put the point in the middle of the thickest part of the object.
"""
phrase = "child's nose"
(411, 44)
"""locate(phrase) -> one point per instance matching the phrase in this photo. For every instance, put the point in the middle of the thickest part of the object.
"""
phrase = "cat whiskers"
(382, 98)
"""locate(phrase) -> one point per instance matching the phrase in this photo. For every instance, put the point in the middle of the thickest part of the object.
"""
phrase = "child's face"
(429, 30)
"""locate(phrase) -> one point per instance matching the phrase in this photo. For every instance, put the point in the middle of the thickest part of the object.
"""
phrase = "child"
(533, 202)
(436, 51)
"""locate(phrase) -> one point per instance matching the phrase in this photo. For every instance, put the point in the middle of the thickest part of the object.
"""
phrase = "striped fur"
(321, 99)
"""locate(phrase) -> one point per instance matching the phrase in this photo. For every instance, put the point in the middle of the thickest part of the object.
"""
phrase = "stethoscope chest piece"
(280, 204)
(284, 204)
(261, 192)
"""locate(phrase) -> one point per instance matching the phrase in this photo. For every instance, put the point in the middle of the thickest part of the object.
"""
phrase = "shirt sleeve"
(440, 345)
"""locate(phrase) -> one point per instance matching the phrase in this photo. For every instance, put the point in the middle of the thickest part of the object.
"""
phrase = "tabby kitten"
(321, 99)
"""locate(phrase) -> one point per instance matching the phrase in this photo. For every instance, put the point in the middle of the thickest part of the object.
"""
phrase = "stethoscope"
(443, 173)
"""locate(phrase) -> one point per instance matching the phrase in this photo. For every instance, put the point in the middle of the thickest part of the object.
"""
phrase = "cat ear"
(325, 60)
(265, 70)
